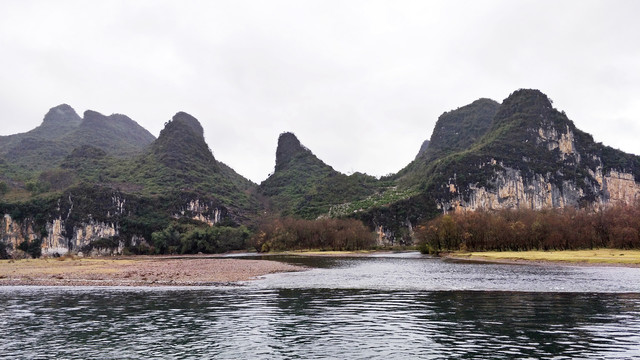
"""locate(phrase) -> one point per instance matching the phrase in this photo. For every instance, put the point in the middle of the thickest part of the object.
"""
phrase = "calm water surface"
(402, 306)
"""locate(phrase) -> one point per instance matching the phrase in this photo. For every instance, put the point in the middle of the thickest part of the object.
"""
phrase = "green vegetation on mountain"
(423, 148)
(61, 131)
(514, 141)
(480, 146)
(179, 161)
(58, 122)
(458, 129)
(455, 131)
(116, 134)
(304, 186)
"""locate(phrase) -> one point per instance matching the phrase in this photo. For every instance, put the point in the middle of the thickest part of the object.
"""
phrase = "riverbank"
(604, 257)
(136, 271)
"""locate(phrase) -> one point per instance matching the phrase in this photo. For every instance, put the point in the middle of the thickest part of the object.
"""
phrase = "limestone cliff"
(206, 212)
(98, 221)
(532, 156)
(551, 164)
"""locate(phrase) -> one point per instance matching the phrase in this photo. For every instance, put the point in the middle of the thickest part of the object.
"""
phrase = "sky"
(360, 83)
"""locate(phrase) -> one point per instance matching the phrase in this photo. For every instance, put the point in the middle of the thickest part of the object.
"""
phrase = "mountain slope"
(458, 129)
(455, 130)
(179, 161)
(62, 130)
(57, 122)
(532, 156)
(423, 148)
(535, 157)
(116, 134)
(304, 186)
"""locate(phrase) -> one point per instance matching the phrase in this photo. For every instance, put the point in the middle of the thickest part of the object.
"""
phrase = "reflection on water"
(268, 321)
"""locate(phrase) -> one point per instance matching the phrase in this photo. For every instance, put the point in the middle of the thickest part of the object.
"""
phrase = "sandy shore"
(136, 271)
(597, 257)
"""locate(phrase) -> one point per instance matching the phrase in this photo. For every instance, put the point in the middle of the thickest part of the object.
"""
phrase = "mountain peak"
(190, 121)
(90, 115)
(525, 101)
(182, 140)
(62, 115)
(458, 129)
(288, 147)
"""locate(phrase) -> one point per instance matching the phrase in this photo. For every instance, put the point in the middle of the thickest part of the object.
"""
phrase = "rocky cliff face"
(510, 190)
(203, 211)
(531, 156)
(71, 228)
(554, 166)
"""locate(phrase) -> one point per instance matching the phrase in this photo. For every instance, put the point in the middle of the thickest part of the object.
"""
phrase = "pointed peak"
(288, 147)
(288, 139)
(190, 121)
(62, 114)
(91, 115)
(526, 101)
(182, 139)
(62, 108)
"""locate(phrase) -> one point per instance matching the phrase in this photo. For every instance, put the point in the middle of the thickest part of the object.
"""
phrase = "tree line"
(515, 230)
(322, 234)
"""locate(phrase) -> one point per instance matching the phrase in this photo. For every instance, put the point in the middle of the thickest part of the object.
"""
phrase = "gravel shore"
(136, 271)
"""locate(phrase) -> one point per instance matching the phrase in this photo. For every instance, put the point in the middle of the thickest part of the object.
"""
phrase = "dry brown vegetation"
(517, 230)
(323, 234)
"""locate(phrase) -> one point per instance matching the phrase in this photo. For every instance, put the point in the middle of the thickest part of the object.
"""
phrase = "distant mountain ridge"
(62, 130)
(521, 153)
(531, 156)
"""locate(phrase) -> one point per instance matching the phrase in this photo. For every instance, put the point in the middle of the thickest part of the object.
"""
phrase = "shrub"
(33, 247)
(559, 229)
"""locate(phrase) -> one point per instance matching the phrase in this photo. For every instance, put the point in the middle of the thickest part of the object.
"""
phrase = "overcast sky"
(361, 83)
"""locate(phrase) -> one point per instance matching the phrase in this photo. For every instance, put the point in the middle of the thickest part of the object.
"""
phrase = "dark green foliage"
(103, 243)
(62, 130)
(58, 122)
(56, 179)
(514, 141)
(115, 134)
(423, 148)
(33, 247)
(304, 186)
(193, 238)
(181, 144)
(4, 188)
(396, 218)
(4, 254)
(455, 131)
(179, 161)
(458, 129)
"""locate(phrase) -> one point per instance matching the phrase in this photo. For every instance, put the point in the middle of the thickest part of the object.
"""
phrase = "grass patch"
(597, 256)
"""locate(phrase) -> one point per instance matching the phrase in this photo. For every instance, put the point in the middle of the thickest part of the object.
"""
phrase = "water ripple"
(306, 319)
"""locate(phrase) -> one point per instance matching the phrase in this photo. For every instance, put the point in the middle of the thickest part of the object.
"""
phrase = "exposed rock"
(621, 188)
(201, 211)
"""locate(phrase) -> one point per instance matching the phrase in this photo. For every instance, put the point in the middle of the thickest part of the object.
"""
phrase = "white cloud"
(360, 82)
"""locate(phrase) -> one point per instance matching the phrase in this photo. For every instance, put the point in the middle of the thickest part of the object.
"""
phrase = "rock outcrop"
(93, 223)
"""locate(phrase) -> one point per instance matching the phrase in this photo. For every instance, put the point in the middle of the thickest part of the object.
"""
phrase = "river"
(392, 306)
